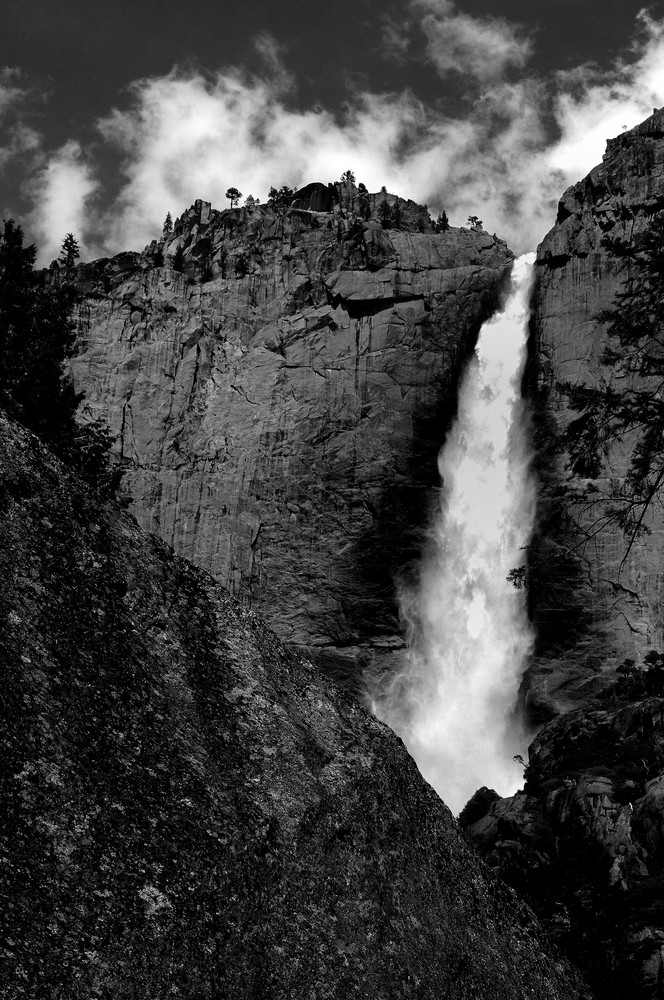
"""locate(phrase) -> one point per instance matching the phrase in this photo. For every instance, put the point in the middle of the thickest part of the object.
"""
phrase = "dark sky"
(88, 50)
(76, 57)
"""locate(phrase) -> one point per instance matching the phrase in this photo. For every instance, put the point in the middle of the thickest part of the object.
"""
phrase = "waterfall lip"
(469, 634)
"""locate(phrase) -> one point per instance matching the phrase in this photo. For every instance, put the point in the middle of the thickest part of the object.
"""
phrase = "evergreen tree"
(280, 199)
(177, 260)
(206, 268)
(69, 252)
(234, 196)
(625, 404)
(442, 222)
(36, 340)
(384, 214)
(168, 225)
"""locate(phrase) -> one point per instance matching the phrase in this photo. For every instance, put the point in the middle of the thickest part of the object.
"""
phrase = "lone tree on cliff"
(234, 196)
(69, 252)
(628, 404)
(168, 225)
(37, 338)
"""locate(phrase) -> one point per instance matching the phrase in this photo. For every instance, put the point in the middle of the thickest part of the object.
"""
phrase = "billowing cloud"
(522, 138)
(62, 190)
(480, 48)
(12, 90)
(16, 136)
(593, 105)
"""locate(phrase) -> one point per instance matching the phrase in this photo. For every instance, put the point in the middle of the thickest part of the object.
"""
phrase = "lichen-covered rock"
(191, 811)
(279, 404)
(577, 277)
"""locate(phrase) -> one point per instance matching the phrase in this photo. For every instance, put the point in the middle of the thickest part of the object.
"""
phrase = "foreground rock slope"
(280, 402)
(191, 811)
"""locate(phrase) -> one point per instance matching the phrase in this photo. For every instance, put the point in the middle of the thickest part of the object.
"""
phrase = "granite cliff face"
(279, 404)
(191, 811)
(577, 276)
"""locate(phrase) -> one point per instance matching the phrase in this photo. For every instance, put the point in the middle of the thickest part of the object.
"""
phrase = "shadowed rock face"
(584, 842)
(576, 278)
(190, 810)
(315, 197)
(280, 422)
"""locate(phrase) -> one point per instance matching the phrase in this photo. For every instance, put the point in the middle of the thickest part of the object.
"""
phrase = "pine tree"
(234, 196)
(37, 338)
(168, 225)
(206, 268)
(442, 222)
(625, 404)
(177, 260)
(384, 214)
(280, 199)
(69, 252)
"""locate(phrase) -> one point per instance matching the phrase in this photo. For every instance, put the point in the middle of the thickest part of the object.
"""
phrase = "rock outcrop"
(578, 275)
(584, 845)
(191, 811)
(279, 404)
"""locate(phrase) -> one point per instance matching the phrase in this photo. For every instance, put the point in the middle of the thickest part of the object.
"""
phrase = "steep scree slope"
(191, 811)
(281, 402)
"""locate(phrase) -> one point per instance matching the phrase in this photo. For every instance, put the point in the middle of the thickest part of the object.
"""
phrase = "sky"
(115, 112)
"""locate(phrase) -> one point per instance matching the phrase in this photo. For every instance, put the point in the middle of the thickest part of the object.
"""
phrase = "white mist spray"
(469, 635)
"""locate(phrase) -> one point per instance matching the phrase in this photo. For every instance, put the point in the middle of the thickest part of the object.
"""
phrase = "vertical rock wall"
(577, 276)
(279, 404)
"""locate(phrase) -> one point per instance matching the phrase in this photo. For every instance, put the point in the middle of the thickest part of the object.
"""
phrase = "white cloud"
(594, 105)
(187, 136)
(508, 158)
(62, 190)
(17, 138)
(11, 91)
(480, 48)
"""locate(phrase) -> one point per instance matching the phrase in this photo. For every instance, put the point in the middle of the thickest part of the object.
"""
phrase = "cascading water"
(469, 636)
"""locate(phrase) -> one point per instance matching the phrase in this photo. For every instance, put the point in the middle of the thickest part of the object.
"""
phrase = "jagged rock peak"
(618, 196)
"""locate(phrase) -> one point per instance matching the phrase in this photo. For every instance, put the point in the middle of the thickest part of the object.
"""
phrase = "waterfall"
(469, 638)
